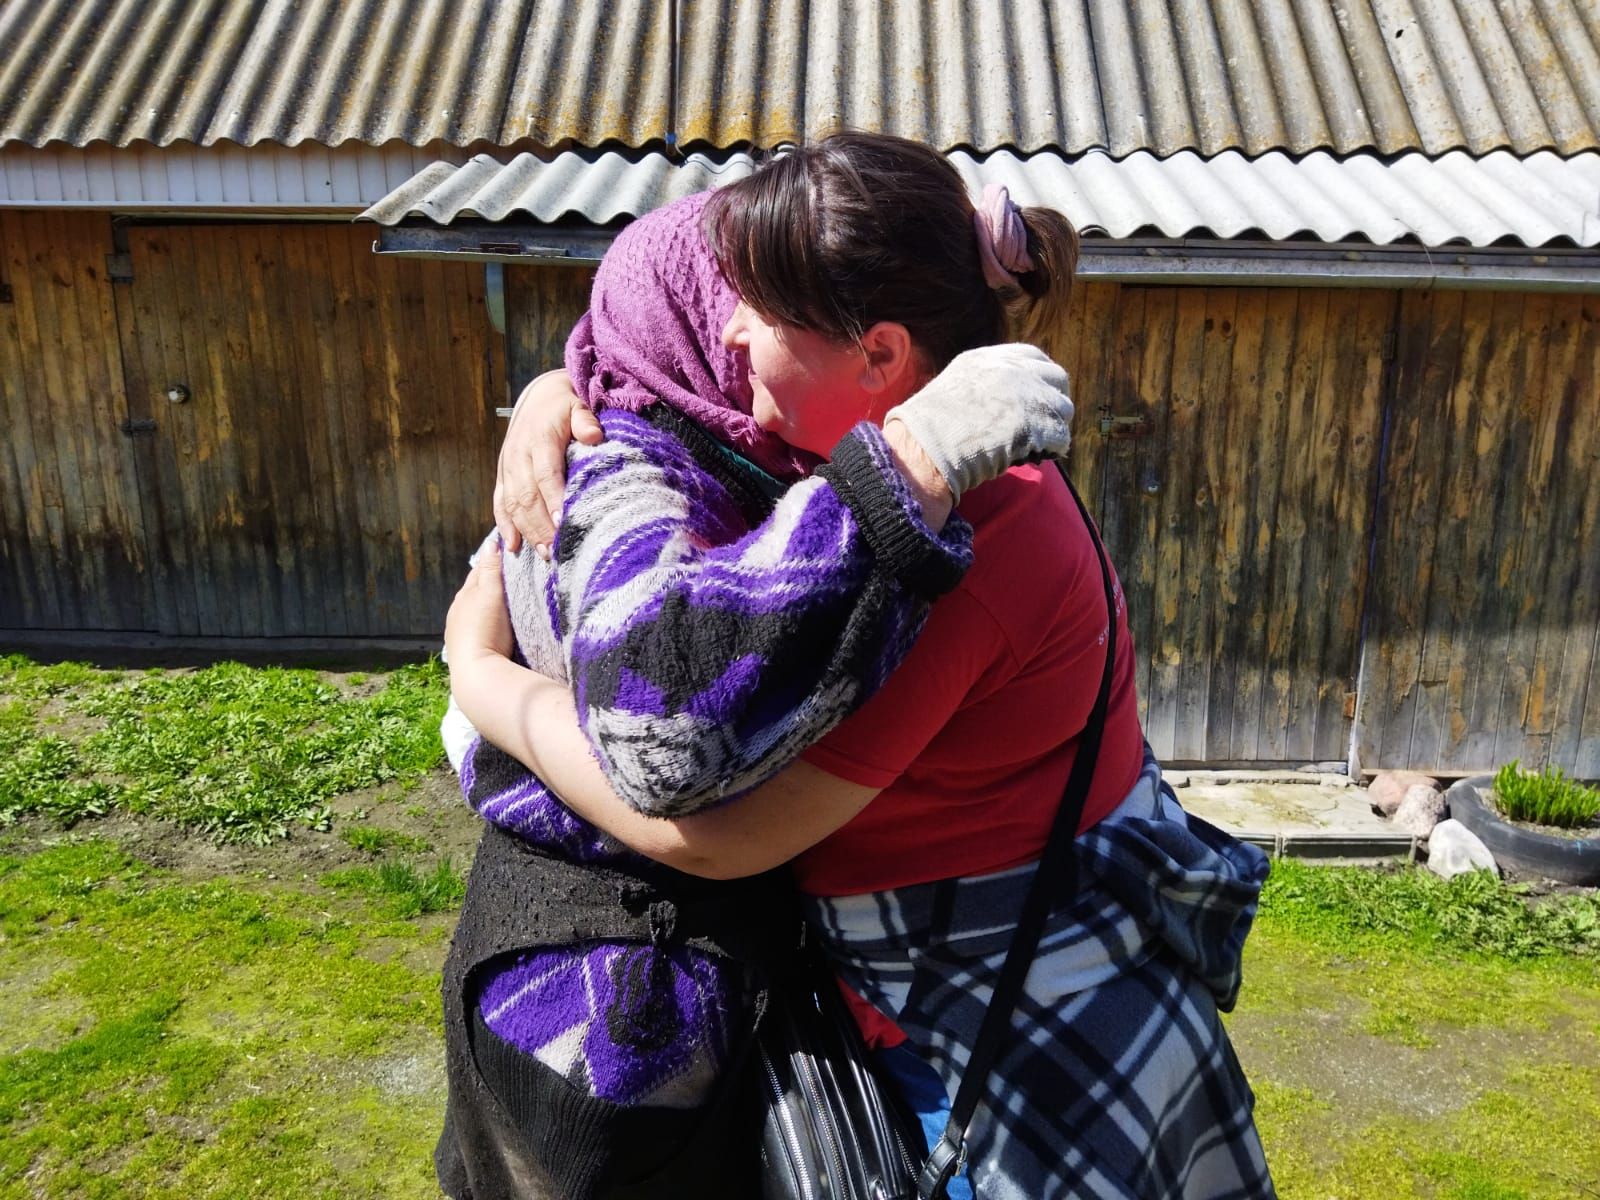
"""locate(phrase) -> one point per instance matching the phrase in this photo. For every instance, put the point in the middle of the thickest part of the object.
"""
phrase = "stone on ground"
(1421, 808)
(1454, 850)
(1387, 789)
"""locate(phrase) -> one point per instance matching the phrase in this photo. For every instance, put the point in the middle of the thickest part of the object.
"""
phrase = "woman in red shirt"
(864, 268)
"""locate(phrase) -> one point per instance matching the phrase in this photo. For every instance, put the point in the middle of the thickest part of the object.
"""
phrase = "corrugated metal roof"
(1071, 75)
(1456, 199)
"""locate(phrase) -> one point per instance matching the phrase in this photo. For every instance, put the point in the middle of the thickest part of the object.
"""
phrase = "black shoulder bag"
(831, 1130)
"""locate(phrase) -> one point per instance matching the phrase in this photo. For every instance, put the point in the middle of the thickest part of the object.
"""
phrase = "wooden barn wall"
(72, 552)
(1306, 492)
(333, 464)
(542, 305)
(1487, 600)
(1235, 508)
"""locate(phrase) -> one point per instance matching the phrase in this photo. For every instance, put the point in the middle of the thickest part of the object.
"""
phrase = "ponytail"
(1036, 311)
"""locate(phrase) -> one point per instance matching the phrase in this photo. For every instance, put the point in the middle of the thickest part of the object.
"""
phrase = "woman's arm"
(705, 655)
(533, 719)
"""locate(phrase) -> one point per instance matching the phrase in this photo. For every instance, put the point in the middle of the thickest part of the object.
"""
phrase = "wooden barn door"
(319, 428)
(72, 546)
(1487, 600)
(1233, 438)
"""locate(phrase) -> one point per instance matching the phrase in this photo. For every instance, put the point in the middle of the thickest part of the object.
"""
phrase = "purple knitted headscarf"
(654, 332)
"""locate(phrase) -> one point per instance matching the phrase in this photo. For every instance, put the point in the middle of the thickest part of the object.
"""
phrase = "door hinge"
(1350, 706)
(6, 296)
(1113, 426)
(119, 268)
(137, 426)
(1390, 344)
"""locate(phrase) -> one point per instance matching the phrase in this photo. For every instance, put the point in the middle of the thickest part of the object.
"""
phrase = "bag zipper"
(791, 1136)
(830, 1135)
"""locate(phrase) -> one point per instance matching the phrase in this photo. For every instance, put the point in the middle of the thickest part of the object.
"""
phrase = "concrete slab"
(1305, 817)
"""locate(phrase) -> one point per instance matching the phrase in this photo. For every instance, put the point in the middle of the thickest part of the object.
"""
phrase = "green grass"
(240, 1035)
(373, 839)
(403, 890)
(1546, 797)
(1412, 1038)
(241, 754)
(170, 1039)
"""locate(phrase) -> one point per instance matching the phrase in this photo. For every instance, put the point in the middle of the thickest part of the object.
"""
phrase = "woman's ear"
(890, 360)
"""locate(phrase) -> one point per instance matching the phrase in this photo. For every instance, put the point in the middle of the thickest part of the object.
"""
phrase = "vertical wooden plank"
(124, 460)
(28, 599)
(1321, 464)
(303, 309)
(1087, 360)
(96, 405)
(1349, 526)
(182, 546)
(1292, 593)
(255, 535)
(72, 419)
(1230, 492)
(372, 510)
(475, 428)
(454, 483)
(228, 597)
(1175, 587)
(22, 602)
(269, 384)
(1428, 355)
(142, 459)
(1575, 741)
(1121, 521)
(391, 546)
(62, 492)
(1266, 446)
(1506, 450)
(1143, 556)
(542, 305)
(1198, 614)
(1525, 555)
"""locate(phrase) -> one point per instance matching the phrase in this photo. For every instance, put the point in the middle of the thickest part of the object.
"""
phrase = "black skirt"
(516, 1130)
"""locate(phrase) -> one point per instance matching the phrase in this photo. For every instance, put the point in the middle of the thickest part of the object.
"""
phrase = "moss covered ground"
(199, 1007)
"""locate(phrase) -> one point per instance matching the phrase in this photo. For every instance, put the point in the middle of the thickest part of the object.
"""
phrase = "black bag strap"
(1055, 877)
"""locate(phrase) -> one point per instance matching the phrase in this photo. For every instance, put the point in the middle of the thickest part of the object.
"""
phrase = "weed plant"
(1475, 914)
(240, 753)
(401, 888)
(1546, 797)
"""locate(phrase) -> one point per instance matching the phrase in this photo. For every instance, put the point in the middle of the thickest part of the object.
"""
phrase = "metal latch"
(137, 426)
(1113, 426)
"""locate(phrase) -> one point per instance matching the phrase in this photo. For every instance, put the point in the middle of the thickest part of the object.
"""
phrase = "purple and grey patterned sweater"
(707, 645)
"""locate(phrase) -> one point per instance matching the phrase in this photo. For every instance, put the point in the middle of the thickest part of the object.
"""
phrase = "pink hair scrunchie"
(1002, 238)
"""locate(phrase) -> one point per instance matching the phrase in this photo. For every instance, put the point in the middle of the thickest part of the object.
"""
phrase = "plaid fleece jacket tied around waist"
(1119, 1082)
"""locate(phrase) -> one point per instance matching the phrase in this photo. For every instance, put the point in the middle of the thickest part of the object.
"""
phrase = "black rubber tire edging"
(1566, 860)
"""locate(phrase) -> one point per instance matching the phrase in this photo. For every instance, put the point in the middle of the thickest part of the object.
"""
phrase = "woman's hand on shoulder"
(531, 474)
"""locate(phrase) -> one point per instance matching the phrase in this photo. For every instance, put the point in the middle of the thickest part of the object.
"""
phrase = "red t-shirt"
(971, 739)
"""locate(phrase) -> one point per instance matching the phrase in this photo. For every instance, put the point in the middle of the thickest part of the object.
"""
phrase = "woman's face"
(807, 389)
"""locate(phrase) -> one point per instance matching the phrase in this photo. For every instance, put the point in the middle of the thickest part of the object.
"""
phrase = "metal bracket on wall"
(1120, 428)
(137, 426)
(5, 294)
(119, 268)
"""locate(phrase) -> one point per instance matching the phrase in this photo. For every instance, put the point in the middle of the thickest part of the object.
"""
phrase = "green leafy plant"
(243, 754)
(371, 839)
(404, 890)
(1547, 797)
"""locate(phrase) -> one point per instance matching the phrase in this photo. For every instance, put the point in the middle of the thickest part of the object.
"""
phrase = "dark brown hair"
(859, 228)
